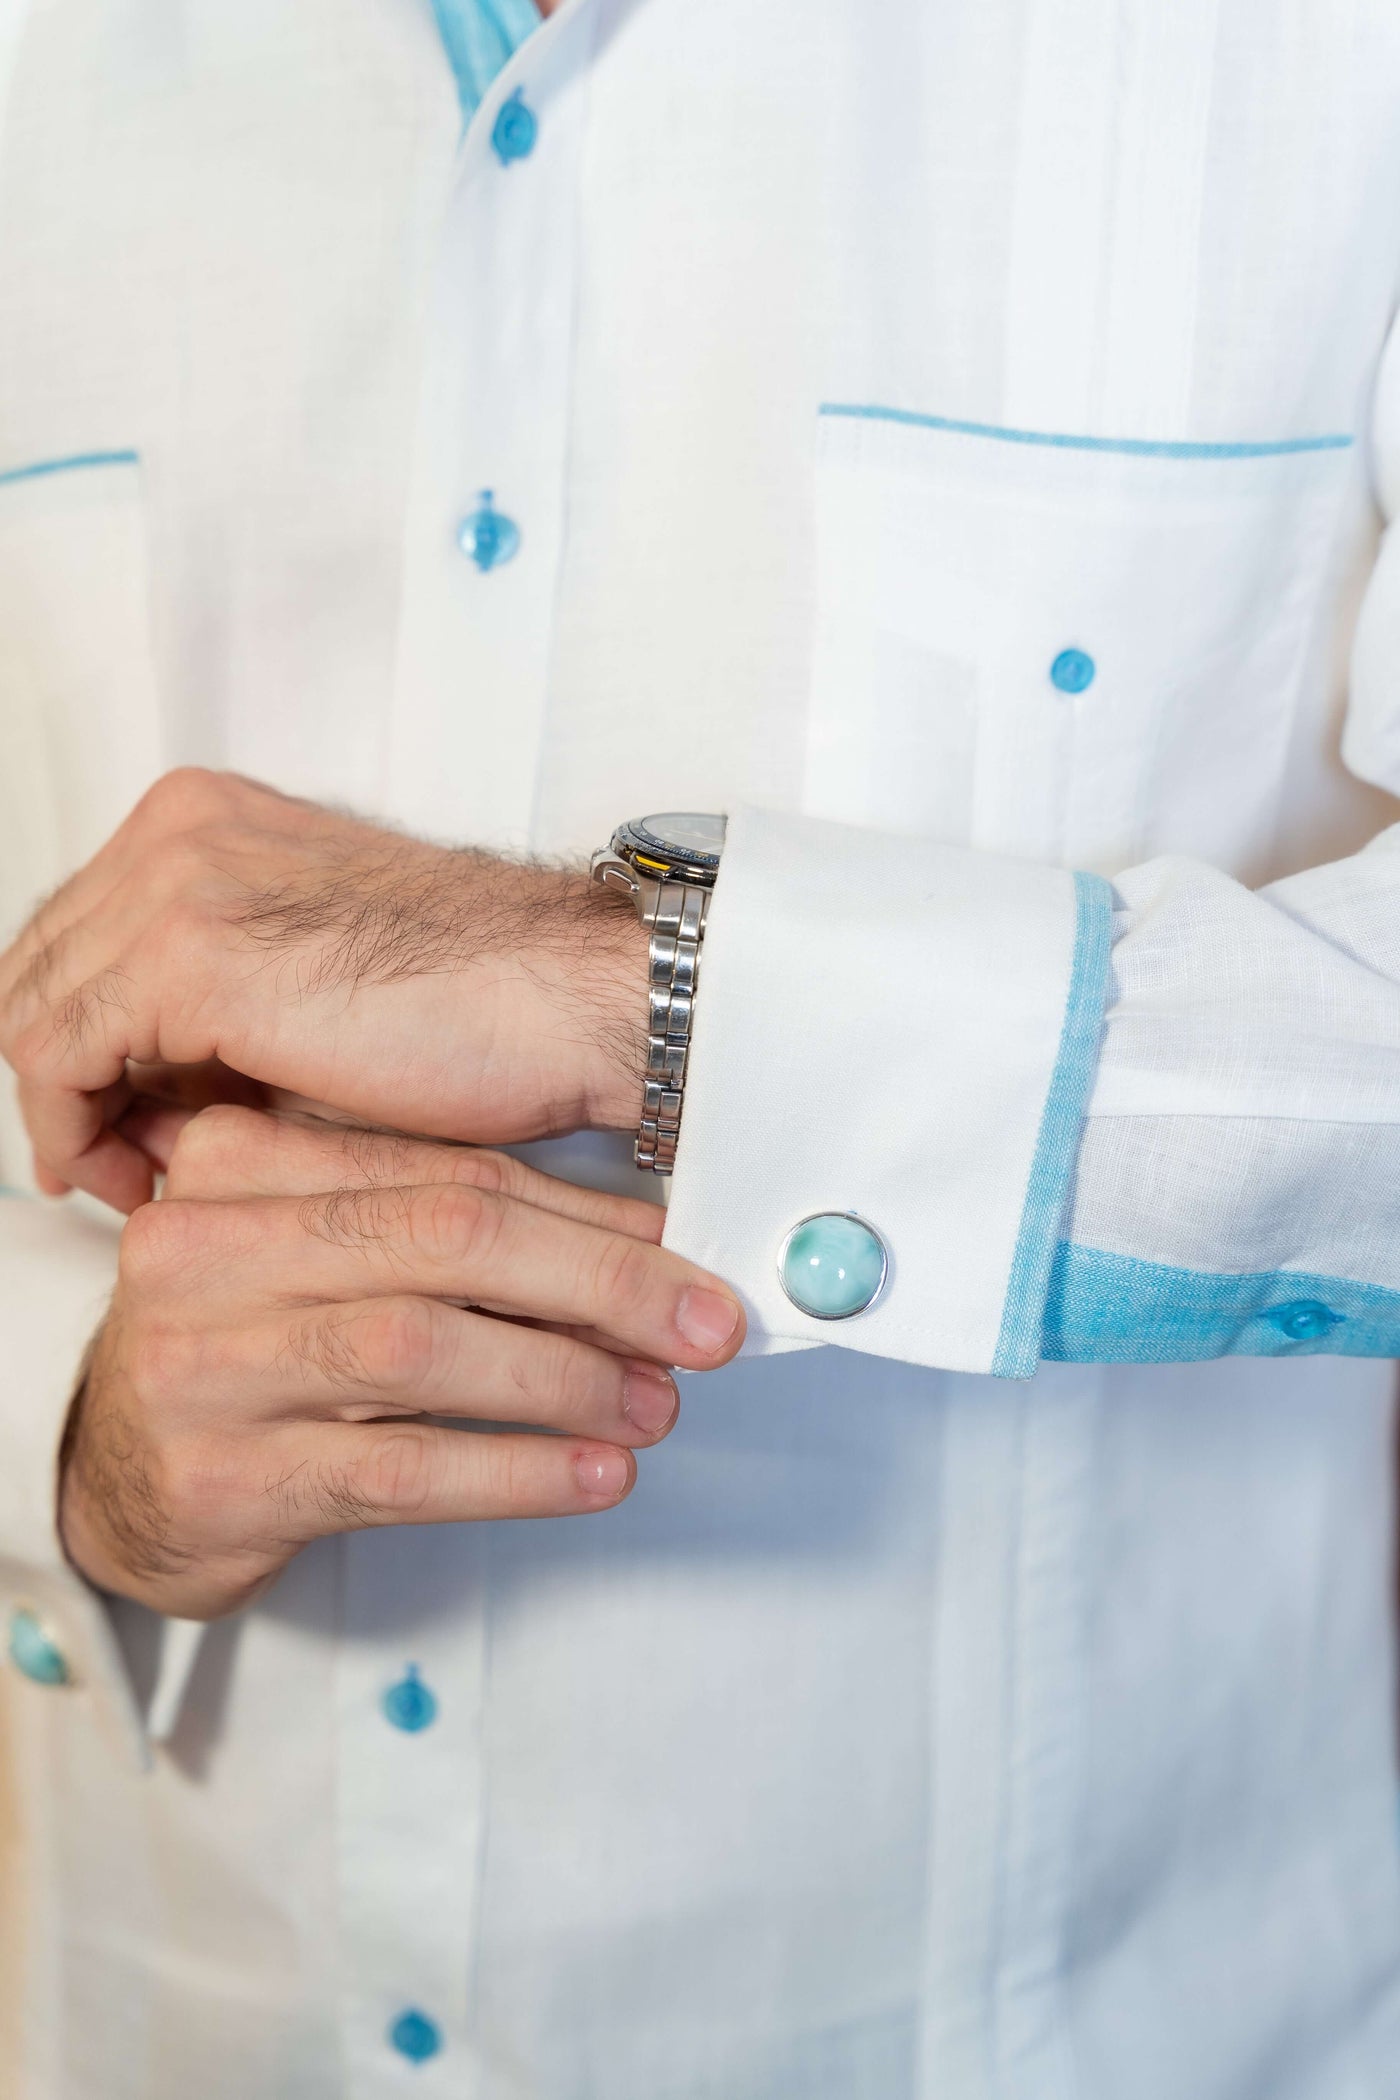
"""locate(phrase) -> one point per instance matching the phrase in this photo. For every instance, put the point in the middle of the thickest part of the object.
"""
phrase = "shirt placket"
(483, 540)
(411, 1677)
(486, 513)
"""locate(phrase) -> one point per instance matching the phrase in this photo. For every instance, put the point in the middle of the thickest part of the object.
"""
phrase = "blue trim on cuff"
(1112, 1309)
(1068, 441)
(1057, 1146)
(480, 37)
(38, 469)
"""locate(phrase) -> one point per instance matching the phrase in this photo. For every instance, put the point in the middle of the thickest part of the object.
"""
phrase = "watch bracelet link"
(675, 921)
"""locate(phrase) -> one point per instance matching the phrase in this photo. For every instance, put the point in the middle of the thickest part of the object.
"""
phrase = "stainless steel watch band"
(675, 917)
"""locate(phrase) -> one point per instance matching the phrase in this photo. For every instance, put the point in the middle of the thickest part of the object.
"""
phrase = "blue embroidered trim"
(480, 38)
(1112, 1309)
(1137, 448)
(1019, 1343)
(41, 467)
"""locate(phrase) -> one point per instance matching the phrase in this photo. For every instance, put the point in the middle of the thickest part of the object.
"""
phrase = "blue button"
(1304, 1319)
(1073, 671)
(488, 535)
(35, 1652)
(515, 130)
(415, 2036)
(409, 1704)
(833, 1265)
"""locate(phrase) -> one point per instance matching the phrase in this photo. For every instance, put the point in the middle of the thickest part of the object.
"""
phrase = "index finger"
(227, 1151)
(449, 1241)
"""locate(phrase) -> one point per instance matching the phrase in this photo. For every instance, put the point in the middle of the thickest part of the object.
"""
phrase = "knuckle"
(495, 1173)
(396, 1473)
(504, 1484)
(174, 872)
(185, 795)
(396, 1343)
(625, 1275)
(145, 1243)
(162, 1241)
(571, 1381)
(455, 1224)
(216, 1137)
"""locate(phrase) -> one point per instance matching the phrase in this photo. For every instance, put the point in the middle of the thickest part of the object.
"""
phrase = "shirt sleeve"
(57, 1264)
(1151, 1121)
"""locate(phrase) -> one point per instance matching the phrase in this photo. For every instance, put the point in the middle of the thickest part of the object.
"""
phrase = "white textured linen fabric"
(887, 925)
(910, 1732)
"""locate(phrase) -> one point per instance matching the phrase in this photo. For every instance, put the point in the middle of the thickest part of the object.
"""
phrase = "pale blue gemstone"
(34, 1652)
(833, 1265)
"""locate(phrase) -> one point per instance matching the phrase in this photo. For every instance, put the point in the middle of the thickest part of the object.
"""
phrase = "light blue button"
(409, 1704)
(833, 1265)
(515, 130)
(1304, 1319)
(415, 2036)
(488, 535)
(35, 1652)
(1073, 671)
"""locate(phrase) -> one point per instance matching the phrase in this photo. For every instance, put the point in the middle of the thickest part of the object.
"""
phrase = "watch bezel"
(656, 857)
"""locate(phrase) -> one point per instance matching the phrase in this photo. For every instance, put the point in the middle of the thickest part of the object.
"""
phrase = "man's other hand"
(304, 1320)
(449, 992)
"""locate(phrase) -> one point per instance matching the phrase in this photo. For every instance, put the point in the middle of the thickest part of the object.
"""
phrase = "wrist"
(618, 1063)
(598, 975)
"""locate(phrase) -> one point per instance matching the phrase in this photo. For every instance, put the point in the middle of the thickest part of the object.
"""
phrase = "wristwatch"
(667, 865)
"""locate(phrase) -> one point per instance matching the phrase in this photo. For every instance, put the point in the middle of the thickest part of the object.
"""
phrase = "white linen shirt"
(956, 440)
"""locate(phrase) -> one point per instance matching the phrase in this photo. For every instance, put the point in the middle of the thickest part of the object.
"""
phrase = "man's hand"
(289, 1319)
(447, 992)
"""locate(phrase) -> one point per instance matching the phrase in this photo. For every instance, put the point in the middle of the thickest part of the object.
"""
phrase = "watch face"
(686, 836)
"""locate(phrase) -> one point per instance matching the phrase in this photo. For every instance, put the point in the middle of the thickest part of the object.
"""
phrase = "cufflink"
(833, 1265)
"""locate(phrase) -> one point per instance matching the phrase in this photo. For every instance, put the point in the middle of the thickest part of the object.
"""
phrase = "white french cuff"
(908, 1032)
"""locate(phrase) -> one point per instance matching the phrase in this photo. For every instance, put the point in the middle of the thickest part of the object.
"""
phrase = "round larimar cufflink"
(833, 1265)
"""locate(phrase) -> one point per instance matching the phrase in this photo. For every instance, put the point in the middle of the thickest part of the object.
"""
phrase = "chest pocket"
(1075, 652)
(80, 733)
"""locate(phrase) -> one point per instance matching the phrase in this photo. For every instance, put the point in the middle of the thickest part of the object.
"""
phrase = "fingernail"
(603, 1472)
(649, 1399)
(706, 1320)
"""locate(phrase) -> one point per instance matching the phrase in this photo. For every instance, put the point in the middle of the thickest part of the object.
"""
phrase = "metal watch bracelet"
(675, 921)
